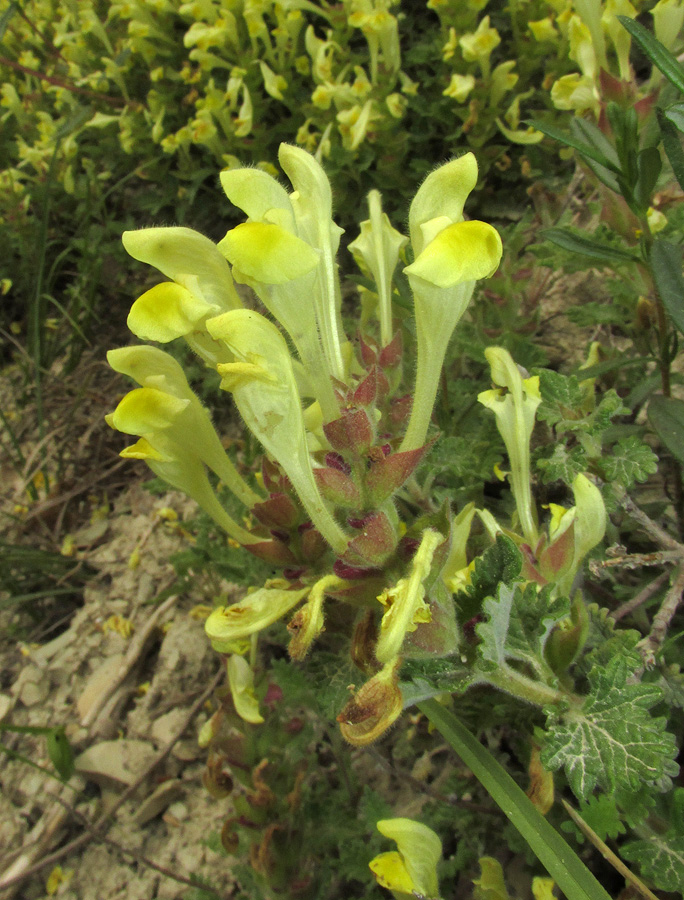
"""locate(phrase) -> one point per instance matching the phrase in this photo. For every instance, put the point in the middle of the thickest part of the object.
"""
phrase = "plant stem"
(527, 689)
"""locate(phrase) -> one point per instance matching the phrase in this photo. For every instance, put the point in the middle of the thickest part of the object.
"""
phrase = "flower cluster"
(341, 434)
(342, 424)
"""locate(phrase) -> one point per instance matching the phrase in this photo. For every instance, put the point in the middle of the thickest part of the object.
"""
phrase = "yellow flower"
(404, 603)
(459, 87)
(514, 402)
(450, 256)
(543, 29)
(411, 870)
(478, 45)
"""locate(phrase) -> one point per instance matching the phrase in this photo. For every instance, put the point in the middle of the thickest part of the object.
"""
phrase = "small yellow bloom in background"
(576, 92)
(118, 624)
(274, 84)
(656, 220)
(396, 104)
(134, 559)
(408, 86)
(68, 547)
(477, 46)
(449, 48)
(543, 29)
(5, 287)
(57, 877)
(411, 870)
(459, 87)
(668, 18)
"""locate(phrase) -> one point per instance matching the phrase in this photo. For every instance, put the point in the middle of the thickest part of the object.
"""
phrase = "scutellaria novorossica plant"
(344, 422)
(340, 432)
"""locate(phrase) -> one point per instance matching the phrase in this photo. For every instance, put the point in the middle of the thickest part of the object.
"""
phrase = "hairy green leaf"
(562, 464)
(499, 564)
(629, 460)
(660, 858)
(611, 741)
(601, 814)
(518, 624)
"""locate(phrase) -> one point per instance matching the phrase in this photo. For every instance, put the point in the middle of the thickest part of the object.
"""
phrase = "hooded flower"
(450, 256)
(262, 381)
(286, 253)
(411, 869)
(514, 401)
(378, 247)
(166, 403)
(201, 286)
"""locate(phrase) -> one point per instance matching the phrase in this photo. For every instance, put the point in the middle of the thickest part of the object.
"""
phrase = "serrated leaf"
(425, 678)
(661, 859)
(605, 641)
(500, 563)
(666, 415)
(601, 814)
(562, 464)
(576, 243)
(629, 460)
(654, 50)
(666, 266)
(611, 741)
(562, 396)
(611, 405)
(519, 622)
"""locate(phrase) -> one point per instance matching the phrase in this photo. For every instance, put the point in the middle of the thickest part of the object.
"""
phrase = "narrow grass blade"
(560, 861)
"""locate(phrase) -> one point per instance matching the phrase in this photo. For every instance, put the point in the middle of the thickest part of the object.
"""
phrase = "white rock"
(115, 762)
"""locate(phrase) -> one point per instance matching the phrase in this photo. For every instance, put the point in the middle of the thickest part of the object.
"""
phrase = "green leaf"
(601, 814)
(672, 145)
(518, 624)
(675, 115)
(611, 405)
(629, 460)
(571, 141)
(570, 240)
(563, 865)
(605, 641)
(562, 464)
(425, 678)
(611, 741)
(654, 50)
(591, 134)
(500, 563)
(60, 752)
(666, 267)
(649, 165)
(562, 397)
(661, 859)
(666, 415)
